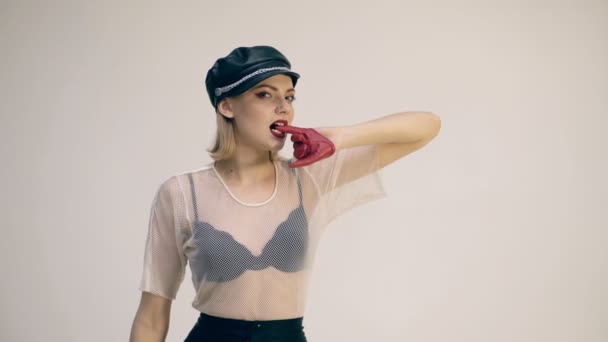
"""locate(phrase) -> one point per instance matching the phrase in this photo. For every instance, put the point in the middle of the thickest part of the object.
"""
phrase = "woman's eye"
(267, 95)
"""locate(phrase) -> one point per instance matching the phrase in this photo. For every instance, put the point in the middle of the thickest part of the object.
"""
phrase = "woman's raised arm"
(396, 135)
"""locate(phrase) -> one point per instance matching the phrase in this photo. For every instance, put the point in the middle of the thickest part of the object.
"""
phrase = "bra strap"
(299, 186)
(192, 191)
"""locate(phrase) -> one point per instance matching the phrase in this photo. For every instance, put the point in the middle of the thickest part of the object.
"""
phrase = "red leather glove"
(309, 145)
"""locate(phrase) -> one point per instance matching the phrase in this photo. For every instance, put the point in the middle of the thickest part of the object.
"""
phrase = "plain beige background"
(495, 231)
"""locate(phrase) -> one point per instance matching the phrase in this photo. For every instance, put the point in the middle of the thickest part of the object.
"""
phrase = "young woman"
(249, 223)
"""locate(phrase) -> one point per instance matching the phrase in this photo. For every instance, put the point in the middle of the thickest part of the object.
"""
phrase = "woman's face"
(255, 110)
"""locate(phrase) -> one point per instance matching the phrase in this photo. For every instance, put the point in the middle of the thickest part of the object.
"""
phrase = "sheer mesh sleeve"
(164, 260)
(345, 180)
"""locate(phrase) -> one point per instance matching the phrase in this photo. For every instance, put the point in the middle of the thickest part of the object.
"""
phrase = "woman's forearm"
(401, 128)
(142, 332)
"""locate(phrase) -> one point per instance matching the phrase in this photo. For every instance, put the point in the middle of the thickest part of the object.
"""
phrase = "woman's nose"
(282, 106)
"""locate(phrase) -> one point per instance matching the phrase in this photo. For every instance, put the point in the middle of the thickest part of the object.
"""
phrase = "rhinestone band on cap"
(220, 91)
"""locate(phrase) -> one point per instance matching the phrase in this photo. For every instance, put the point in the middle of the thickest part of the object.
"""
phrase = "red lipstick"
(275, 132)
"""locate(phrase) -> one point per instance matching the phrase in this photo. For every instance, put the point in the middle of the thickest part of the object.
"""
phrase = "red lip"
(278, 134)
(284, 122)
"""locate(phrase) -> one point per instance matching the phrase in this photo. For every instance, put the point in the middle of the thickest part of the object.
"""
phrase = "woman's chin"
(277, 140)
(277, 146)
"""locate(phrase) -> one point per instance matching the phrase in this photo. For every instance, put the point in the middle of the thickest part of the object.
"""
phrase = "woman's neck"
(246, 169)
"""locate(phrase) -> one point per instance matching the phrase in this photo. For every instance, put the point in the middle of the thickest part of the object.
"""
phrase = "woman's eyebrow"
(273, 88)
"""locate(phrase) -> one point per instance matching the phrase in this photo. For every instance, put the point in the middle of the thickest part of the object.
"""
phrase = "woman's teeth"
(275, 131)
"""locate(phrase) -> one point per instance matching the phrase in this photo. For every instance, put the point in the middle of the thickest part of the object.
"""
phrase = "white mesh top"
(252, 260)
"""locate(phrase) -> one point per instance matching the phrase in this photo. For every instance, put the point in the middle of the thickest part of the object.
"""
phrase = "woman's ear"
(224, 108)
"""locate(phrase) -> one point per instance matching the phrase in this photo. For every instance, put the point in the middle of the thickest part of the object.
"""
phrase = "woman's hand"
(309, 145)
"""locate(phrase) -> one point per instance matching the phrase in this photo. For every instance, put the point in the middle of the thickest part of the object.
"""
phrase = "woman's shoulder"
(201, 169)
(283, 163)
(176, 179)
(194, 172)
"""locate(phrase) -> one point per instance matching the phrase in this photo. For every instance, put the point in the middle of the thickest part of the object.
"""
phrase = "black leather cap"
(243, 68)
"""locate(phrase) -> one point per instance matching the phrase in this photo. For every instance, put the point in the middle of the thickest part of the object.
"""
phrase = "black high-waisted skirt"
(217, 329)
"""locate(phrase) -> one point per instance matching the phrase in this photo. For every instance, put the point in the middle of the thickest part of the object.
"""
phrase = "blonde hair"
(224, 145)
